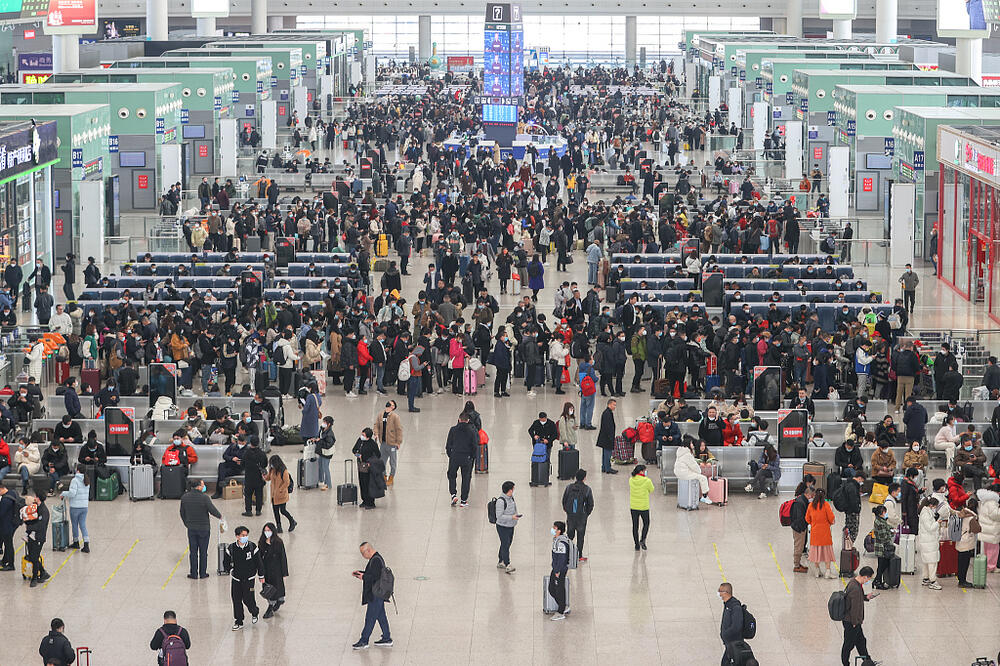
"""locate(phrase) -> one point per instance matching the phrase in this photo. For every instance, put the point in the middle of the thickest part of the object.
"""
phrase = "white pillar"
(793, 18)
(969, 58)
(793, 149)
(842, 29)
(275, 23)
(886, 19)
(760, 122)
(838, 166)
(156, 20)
(258, 17)
(631, 39)
(735, 104)
(424, 38)
(65, 53)
(206, 27)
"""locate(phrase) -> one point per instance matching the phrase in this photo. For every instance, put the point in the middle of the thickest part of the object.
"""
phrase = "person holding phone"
(507, 517)
(854, 635)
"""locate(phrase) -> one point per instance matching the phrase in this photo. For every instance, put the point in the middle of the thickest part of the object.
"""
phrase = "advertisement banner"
(71, 17)
(836, 9)
(962, 18)
(461, 63)
(209, 8)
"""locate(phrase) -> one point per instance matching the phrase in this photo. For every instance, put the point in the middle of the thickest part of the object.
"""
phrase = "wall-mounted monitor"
(193, 131)
(876, 161)
(131, 159)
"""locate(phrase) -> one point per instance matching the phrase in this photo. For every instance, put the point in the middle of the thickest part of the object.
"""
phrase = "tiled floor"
(654, 607)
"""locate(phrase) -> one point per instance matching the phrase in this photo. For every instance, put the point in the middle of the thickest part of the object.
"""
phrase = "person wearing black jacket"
(578, 503)
(803, 401)
(169, 628)
(231, 465)
(254, 467)
(800, 529)
(275, 566)
(731, 629)
(545, 431)
(944, 361)
(242, 561)
(35, 535)
(915, 420)
(710, 428)
(606, 437)
(55, 647)
(848, 499)
(910, 500)
(666, 432)
(376, 605)
(461, 447)
(92, 273)
(847, 458)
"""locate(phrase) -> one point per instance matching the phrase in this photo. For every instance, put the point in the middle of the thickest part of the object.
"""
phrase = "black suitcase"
(173, 481)
(482, 458)
(519, 369)
(649, 452)
(569, 463)
(347, 492)
(894, 571)
(261, 381)
(221, 557)
(540, 474)
(739, 653)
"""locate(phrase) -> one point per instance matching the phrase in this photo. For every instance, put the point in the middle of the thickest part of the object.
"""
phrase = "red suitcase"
(91, 378)
(948, 564)
(62, 371)
(712, 365)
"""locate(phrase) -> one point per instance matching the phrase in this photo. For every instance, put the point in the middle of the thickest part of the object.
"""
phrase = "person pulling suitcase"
(578, 503)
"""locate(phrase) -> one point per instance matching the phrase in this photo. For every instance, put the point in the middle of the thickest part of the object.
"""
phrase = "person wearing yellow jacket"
(640, 487)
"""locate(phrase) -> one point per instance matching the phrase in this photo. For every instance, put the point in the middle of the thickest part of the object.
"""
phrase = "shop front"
(969, 213)
(27, 153)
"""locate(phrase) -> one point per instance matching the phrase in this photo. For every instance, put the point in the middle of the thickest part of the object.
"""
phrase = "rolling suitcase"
(849, 559)
(649, 452)
(569, 463)
(60, 526)
(709, 470)
(140, 482)
(948, 562)
(173, 482)
(979, 571)
(62, 371)
(711, 382)
(818, 470)
(27, 568)
(483, 458)
(469, 383)
(540, 474)
(624, 452)
(688, 494)
(91, 378)
(892, 573)
(308, 473)
(906, 551)
(347, 492)
(718, 490)
(549, 604)
(220, 554)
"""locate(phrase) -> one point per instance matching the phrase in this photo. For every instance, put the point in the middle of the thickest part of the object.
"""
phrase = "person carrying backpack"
(738, 625)
(578, 503)
(171, 641)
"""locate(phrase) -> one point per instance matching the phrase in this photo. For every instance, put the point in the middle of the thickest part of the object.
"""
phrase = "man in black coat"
(242, 561)
(55, 647)
(376, 605)
(606, 437)
(12, 277)
(254, 466)
(544, 430)
(231, 465)
(915, 421)
(847, 458)
(9, 507)
(35, 532)
(461, 449)
(800, 529)
(731, 629)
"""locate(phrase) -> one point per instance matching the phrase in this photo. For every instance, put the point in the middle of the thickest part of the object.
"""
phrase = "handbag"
(364, 466)
(269, 592)
(879, 492)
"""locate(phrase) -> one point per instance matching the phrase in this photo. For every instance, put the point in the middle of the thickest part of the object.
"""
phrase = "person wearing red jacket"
(956, 493)
(364, 364)
(5, 458)
(179, 453)
(732, 434)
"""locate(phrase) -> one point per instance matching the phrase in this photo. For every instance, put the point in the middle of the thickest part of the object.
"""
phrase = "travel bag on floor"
(173, 481)
(948, 562)
(107, 488)
(906, 551)
(539, 474)
(482, 458)
(60, 526)
(892, 578)
(688, 494)
(347, 492)
(140, 482)
(569, 463)
(27, 568)
(849, 558)
(979, 571)
(718, 490)
(308, 473)
(220, 554)
(469, 383)
(624, 452)
(818, 470)
(549, 603)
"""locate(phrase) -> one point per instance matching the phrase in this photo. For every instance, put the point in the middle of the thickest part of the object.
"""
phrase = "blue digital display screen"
(500, 113)
(496, 41)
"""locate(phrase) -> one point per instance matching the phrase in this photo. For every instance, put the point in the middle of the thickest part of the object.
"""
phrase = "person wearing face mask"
(195, 509)
(946, 440)
(274, 566)
(242, 561)
(560, 567)
(618, 357)
(640, 488)
(500, 359)
(883, 463)
(971, 461)
(254, 467)
(371, 468)
(894, 514)
(389, 431)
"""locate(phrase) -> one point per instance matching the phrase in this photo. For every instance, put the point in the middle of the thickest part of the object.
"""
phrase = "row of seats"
(746, 283)
(235, 404)
(325, 270)
(748, 296)
(164, 429)
(208, 270)
(756, 259)
(826, 410)
(638, 271)
(213, 283)
(827, 311)
(99, 306)
(256, 257)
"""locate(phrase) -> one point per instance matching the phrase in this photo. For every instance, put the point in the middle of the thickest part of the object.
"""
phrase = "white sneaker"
(830, 574)
(762, 496)
(531, 394)
(501, 565)
(558, 616)
(934, 586)
(748, 488)
(352, 394)
(510, 569)
(705, 500)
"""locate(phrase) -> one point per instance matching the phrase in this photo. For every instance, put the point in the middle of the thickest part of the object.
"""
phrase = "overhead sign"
(23, 150)
(71, 17)
(837, 9)
(112, 143)
(831, 117)
(34, 62)
(918, 160)
(209, 8)
(185, 116)
(890, 146)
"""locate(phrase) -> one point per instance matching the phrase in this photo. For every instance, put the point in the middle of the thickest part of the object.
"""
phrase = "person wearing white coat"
(28, 460)
(989, 520)
(35, 357)
(558, 355)
(928, 545)
(686, 468)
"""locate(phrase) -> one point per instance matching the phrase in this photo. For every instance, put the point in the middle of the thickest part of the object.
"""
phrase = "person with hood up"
(686, 468)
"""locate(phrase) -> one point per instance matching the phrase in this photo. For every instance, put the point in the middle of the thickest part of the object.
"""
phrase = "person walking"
(854, 635)
(242, 561)
(324, 449)
(800, 528)
(275, 566)
(281, 488)
(463, 441)
(883, 546)
(55, 647)
(69, 276)
(578, 503)
(560, 566)
(820, 518)
(9, 520)
(389, 430)
(196, 507)
(370, 468)
(78, 498)
(640, 488)
(909, 281)
(588, 390)
(35, 516)
(507, 517)
(375, 611)
(731, 627)
(254, 468)
(606, 437)
(171, 641)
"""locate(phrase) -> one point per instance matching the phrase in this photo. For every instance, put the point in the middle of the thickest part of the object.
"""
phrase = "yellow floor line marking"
(719, 562)
(129, 552)
(775, 558)
(903, 582)
(56, 572)
(174, 570)
(19, 548)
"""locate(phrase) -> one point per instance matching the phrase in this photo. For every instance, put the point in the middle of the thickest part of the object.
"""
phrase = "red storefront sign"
(866, 184)
(818, 153)
(142, 182)
(118, 429)
(59, 226)
(203, 150)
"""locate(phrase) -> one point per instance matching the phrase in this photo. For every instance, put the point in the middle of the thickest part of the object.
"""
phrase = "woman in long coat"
(272, 555)
(370, 469)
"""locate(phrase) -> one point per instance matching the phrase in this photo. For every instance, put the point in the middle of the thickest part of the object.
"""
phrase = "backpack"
(587, 386)
(403, 374)
(772, 228)
(575, 499)
(491, 510)
(954, 527)
(172, 650)
(749, 624)
(646, 431)
(540, 452)
(384, 586)
(279, 354)
(837, 606)
(839, 499)
(785, 513)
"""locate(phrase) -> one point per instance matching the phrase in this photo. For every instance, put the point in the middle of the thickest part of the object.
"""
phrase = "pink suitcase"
(709, 469)
(469, 381)
(718, 490)
(320, 377)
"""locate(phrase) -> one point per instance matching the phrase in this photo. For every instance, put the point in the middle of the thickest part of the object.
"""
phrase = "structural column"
(886, 19)
(156, 20)
(793, 18)
(969, 57)
(258, 17)
(65, 53)
(423, 38)
(206, 27)
(630, 41)
(842, 29)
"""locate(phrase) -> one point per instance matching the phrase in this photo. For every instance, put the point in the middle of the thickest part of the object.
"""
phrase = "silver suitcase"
(308, 473)
(140, 482)
(549, 604)
(688, 494)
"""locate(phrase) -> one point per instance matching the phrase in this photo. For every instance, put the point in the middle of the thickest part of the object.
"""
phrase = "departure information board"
(503, 71)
